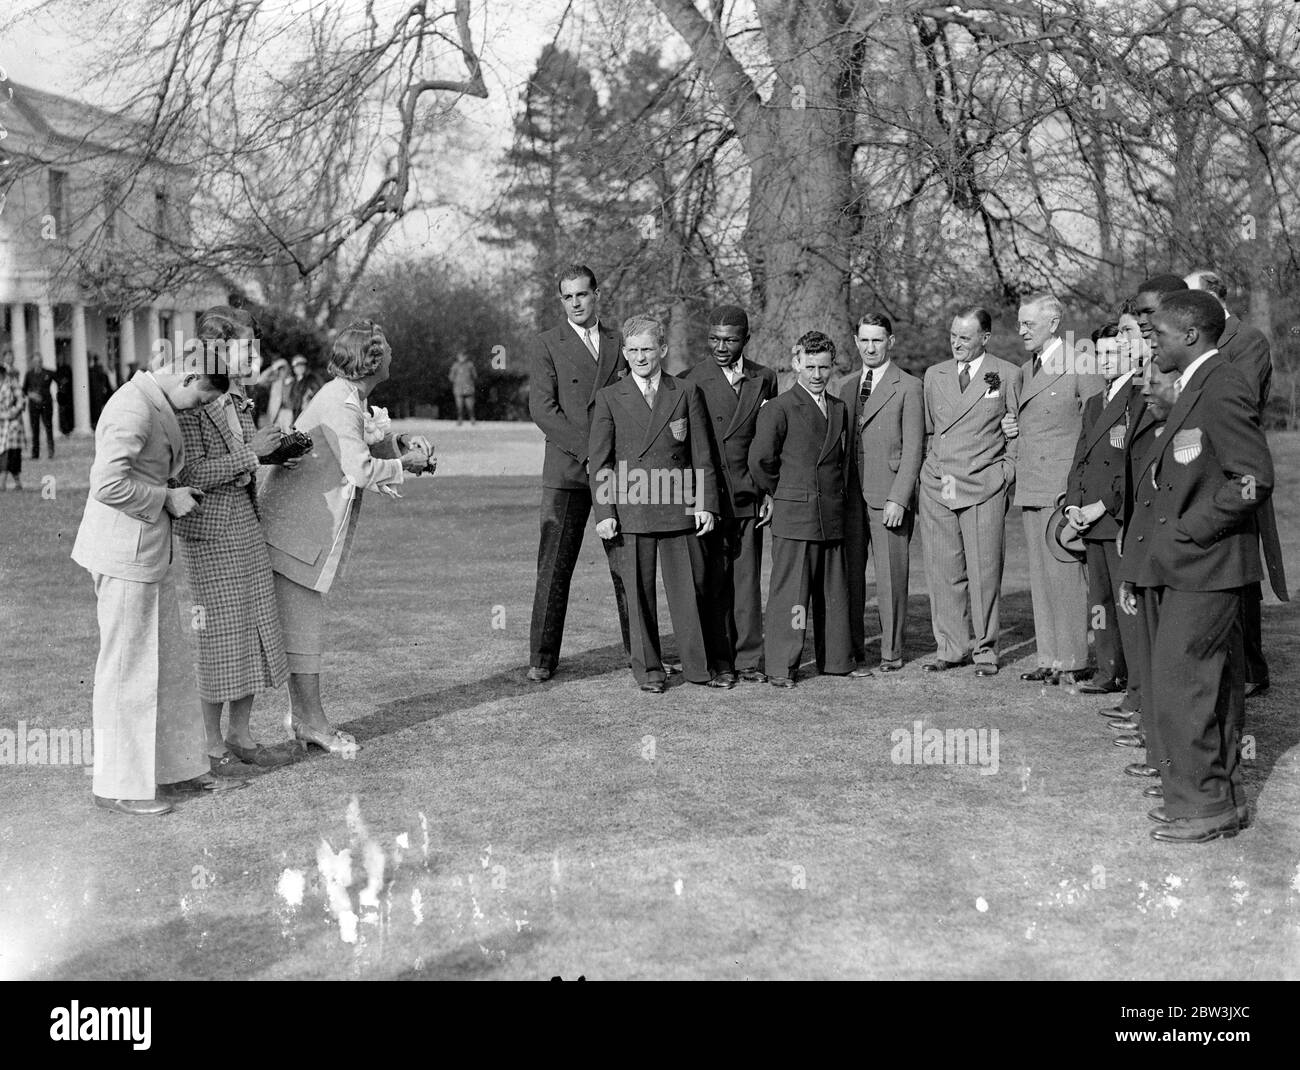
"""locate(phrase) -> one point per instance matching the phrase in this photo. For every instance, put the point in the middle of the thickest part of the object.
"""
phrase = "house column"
(126, 320)
(80, 373)
(155, 333)
(18, 335)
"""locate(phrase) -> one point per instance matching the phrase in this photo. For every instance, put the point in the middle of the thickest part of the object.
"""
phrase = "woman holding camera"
(310, 514)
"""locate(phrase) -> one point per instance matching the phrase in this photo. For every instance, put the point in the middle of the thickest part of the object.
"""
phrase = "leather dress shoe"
(939, 665)
(724, 680)
(539, 675)
(1133, 739)
(203, 784)
(1256, 689)
(986, 668)
(861, 672)
(1040, 675)
(780, 681)
(889, 666)
(1103, 687)
(753, 676)
(1141, 769)
(1187, 830)
(1122, 726)
(1117, 713)
(1071, 677)
(1155, 791)
(1159, 816)
(655, 687)
(672, 668)
(230, 765)
(135, 807)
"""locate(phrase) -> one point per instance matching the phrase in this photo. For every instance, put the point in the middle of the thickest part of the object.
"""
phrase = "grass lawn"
(581, 827)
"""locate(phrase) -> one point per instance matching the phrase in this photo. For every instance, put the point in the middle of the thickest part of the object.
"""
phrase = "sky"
(52, 44)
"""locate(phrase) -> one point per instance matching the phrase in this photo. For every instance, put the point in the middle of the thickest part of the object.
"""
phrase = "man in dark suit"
(733, 390)
(655, 489)
(966, 482)
(570, 363)
(886, 408)
(1246, 349)
(1158, 391)
(40, 404)
(799, 457)
(1202, 483)
(1094, 499)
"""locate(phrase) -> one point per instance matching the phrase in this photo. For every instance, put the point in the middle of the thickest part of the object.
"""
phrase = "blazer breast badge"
(678, 428)
(1117, 433)
(1187, 445)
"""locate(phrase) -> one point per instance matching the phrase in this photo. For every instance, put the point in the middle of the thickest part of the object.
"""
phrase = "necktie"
(650, 394)
(586, 337)
(1038, 363)
(963, 374)
(865, 392)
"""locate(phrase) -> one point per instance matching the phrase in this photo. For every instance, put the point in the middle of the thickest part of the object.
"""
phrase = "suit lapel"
(751, 386)
(665, 401)
(880, 393)
(630, 397)
(1230, 327)
(965, 399)
(607, 367)
(1110, 415)
(166, 417)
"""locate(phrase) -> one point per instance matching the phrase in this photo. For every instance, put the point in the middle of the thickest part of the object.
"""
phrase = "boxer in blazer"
(147, 720)
(966, 482)
(799, 457)
(1094, 501)
(886, 409)
(655, 491)
(1246, 349)
(570, 363)
(1048, 421)
(733, 390)
(1202, 483)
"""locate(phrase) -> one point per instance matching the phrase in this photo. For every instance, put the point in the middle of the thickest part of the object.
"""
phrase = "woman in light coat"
(310, 514)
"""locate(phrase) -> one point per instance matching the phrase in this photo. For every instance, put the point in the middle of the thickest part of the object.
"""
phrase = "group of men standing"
(689, 471)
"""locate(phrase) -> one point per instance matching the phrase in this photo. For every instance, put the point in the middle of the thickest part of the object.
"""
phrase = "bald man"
(734, 389)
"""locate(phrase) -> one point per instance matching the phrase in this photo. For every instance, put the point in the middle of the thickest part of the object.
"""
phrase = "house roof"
(64, 126)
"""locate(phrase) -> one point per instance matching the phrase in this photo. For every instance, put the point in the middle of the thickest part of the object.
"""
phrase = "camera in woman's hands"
(294, 444)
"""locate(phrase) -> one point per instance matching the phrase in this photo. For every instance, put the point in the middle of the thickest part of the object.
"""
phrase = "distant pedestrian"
(13, 430)
(100, 388)
(464, 385)
(63, 381)
(304, 386)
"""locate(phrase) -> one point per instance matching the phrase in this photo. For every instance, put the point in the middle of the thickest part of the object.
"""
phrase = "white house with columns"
(85, 236)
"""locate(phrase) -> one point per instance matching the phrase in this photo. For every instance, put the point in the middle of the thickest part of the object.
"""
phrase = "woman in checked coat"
(234, 616)
(13, 409)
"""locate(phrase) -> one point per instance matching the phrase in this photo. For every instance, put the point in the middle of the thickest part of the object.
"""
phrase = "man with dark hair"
(569, 364)
(1147, 300)
(1247, 350)
(733, 390)
(799, 458)
(1094, 499)
(886, 408)
(966, 482)
(40, 402)
(1200, 486)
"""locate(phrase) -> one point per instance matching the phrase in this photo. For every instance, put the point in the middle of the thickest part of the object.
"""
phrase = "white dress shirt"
(876, 375)
(646, 385)
(820, 399)
(1190, 370)
(590, 336)
(1117, 386)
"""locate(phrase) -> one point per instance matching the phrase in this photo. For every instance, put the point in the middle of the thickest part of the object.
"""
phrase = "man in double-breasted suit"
(1049, 418)
(799, 457)
(148, 724)
(886, 408)
(966, 482)
(1095, 506)
(733, 390)
(1246, 348)
(569, 364)
(655, 491)
(1201, 485)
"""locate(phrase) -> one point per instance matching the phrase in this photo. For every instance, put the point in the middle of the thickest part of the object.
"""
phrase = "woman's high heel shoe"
(332, 742)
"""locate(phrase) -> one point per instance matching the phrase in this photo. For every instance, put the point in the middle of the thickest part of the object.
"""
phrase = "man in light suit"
(733, 390)
(966, 481)
(1049, 419)
(570, 363)
(1246, 348)
(799, 457)
(1094, 502)
(149, 734)
(886, 408)
(1202, 483)
(655, 491)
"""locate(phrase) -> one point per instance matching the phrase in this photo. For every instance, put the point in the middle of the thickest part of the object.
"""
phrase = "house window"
(112, 193)
(59, 201)
(159, 218)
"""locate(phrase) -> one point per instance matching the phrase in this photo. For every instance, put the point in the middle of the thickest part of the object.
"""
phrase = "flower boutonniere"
(994, 380)
(376, 427)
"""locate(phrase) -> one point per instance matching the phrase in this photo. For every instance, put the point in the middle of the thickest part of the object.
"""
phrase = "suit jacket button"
(1162, 520)
(1146, 501)
(1140, 538)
